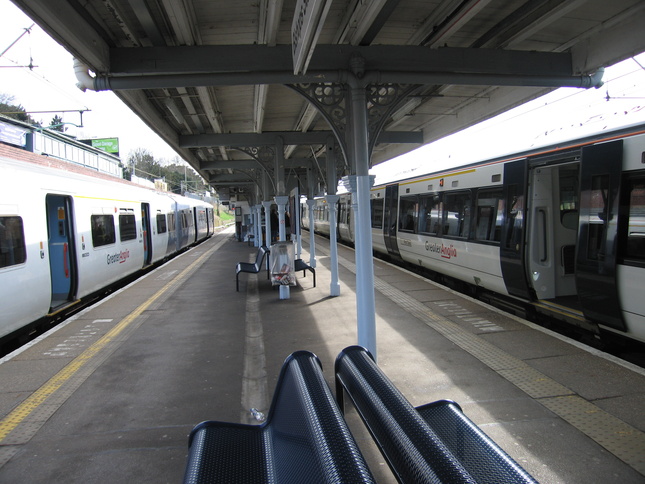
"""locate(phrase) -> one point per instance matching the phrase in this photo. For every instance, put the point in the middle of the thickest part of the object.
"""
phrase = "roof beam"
(259, 59)
(237, 65)
(288, 137)
(289, 163)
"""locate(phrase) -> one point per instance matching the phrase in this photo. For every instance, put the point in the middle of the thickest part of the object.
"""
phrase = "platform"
(112, 395)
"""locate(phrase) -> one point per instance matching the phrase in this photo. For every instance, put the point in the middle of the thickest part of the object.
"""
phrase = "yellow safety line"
(22, 411)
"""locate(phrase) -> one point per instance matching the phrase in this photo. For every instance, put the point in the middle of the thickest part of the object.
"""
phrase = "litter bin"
(281, 261)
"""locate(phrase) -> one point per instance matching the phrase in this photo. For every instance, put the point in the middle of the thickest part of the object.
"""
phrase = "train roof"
(570, 144)
(46, 164)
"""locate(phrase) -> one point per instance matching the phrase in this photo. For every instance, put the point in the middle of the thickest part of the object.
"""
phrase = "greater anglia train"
(559, 229)
(65, 235)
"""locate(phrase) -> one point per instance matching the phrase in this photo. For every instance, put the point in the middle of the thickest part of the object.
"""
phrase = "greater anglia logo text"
(447, 252)
(119, 257)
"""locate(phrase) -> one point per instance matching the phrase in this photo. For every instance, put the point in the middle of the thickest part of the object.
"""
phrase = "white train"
(64, 236)
(561, 228)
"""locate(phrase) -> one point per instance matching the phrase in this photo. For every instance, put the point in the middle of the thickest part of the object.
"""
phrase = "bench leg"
(237, 282)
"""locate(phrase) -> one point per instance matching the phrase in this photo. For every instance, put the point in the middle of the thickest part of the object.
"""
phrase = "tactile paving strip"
(613, 434)
(625, 442)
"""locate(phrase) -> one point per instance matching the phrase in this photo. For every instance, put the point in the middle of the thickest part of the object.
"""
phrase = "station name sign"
(14, 135)
(308, 20)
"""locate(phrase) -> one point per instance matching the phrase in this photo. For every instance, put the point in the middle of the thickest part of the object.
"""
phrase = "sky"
(51, 85)
(566, 113)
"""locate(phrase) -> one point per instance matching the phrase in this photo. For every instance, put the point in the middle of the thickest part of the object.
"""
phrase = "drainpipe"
(85, 81)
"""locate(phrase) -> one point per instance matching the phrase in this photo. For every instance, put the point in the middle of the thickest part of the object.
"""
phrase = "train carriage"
(66, 235)
(561, 228)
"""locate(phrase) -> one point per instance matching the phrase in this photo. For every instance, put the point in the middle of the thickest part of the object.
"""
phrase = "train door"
(62, 254)
(147, 233)
(390, 218)
(552, 231)
(596, 259)
(514, 229)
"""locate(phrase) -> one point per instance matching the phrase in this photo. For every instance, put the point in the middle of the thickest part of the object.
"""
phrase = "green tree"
(178, 176)
(15, 111)
(144, 164)
(56, 124)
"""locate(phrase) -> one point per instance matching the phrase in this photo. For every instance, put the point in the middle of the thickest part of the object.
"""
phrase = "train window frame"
(493, 200)
(411, 216)
(162, 223)
(102, 234)
(377, 212)
(463, 227)
(435, 214)
(632, 250)
(13, 250)
(127, 227)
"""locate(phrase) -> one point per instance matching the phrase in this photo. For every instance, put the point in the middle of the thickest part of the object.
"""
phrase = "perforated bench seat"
(304, 439)
(432, 443)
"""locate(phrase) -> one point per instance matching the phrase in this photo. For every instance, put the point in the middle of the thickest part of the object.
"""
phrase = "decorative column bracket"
(265, 156)
(332, 101)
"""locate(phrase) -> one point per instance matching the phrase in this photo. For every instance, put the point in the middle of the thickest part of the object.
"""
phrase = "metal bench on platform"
(304, 439)
(254, 268)
(434, 443)
(301, 265)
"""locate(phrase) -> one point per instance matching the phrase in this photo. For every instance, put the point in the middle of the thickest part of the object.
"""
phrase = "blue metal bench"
(434, 443)
(304, 439)
(252, 268)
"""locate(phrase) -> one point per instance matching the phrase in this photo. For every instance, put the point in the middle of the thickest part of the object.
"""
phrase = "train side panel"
(109, 235)
(466, 217)
(630, 274)
(24, 260)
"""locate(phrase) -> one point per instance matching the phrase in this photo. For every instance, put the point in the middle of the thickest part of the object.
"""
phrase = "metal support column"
(285, 292)
(312, 239)
(365, 301)
(258, 226)
(267, 223)
(334, 287)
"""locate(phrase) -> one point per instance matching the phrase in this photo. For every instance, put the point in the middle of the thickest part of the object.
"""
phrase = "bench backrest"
(308, 434)
(262, 251)
(412, 447)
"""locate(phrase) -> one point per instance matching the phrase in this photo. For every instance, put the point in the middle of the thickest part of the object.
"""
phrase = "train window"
(429, 214)
(490, 207)
(569, 182)
(456, 214)
(514, 219)
(127, 227)
(12, 242)
(103, 232)
(376, 205)
(182, 220)
(598, 216)
(171, 222)
(635, 248)
(161, 224)
(408, 214)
